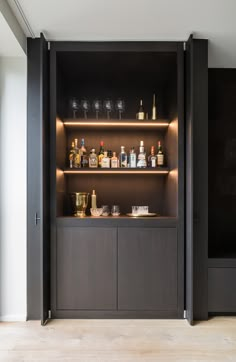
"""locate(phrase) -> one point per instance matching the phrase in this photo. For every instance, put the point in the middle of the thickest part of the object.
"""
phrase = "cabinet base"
(91, 314)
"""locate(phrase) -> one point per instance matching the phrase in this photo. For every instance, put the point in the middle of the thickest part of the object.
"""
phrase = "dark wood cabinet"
(86, 268)
(116, 267)
(147, 269)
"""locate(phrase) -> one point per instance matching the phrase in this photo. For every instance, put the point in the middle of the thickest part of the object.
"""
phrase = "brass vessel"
(79, 203)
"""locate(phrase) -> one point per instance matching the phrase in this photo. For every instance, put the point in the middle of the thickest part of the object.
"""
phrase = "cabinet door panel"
(86, 268)
(147, 269)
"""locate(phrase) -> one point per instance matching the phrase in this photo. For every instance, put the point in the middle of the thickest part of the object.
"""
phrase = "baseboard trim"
(13, 318)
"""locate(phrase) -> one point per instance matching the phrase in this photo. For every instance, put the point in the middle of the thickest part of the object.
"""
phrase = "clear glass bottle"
(93, 159)
(142, 162)
(105, 161)
(132, 158)
(72, 155)
(123, 157)
(152, 158)
(84, 159)
(160, 155)
(114, 161)
(101, 154)
(77, 155)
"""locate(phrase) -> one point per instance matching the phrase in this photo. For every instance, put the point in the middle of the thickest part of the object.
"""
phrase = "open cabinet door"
(38, 205)
(196, 102)
(44, 165)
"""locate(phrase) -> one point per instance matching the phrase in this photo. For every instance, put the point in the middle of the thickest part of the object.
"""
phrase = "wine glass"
(85, 105)
(120, 106)
(97, 106)
(74, 104)
(108, 106)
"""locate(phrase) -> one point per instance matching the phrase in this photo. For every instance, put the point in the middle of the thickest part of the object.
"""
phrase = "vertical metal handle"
(36, 219)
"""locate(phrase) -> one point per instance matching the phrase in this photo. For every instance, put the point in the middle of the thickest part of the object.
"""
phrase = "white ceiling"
(137, 20)
(10, 46)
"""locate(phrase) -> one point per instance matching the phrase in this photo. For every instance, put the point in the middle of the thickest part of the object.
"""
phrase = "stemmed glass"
(74, 104)
(108, 107)
(120, 106)
(85, 105)
(97, 107)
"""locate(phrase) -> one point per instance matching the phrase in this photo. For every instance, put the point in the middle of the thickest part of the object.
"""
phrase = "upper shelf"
(115, 123)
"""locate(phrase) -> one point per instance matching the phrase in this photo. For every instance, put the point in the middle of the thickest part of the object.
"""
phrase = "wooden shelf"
(115, 123)
(143, 171)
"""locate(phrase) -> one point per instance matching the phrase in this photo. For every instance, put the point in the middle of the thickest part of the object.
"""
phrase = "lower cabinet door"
(147, 269)
(86, 268)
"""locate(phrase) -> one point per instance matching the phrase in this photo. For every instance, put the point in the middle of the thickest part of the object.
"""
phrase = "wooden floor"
(119, 340)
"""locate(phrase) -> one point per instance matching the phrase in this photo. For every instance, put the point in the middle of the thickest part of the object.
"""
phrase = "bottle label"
(114, 163)
(142, 160)
(160, 159)
(153, 162)
(132, 160)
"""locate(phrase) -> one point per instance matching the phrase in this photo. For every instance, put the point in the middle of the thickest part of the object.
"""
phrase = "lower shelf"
(111, 221)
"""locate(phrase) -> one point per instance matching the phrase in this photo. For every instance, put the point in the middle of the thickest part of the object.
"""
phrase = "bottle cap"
(114, 154)
(93, 192)
(101, 143)
(141, 143)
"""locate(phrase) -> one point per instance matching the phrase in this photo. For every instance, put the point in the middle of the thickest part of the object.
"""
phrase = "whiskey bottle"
(114, 161)
(84, 160)
(154, 111)
(105, 161)
(132, 158)
(72, 155)
(152, 158)
(123, 157)
(142, 162)
(77, 158)
(93, 159)
(101, 154)
(141, 113)
(160, 155)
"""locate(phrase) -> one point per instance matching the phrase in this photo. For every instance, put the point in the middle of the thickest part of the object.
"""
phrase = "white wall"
(13, 78)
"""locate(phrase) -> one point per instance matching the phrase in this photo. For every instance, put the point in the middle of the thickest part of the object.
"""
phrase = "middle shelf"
(143, 171)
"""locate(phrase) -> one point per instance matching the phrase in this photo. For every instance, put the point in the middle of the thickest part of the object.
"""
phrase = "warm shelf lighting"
(117, 124)
(108, 172)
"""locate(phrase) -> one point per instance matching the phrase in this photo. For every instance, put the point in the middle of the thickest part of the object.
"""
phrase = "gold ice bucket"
(79, 202)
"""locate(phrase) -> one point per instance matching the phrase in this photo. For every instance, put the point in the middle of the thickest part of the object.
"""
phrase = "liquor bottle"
(123, 157)
(77, 158)
(132, 158)
(84, 160)
(152, 158)
(101, 154)
(72, 155)
(160, 155)
(109, 153)
(93, 200)
(141, 113)
(105, 161)
(114, 161)
(93, 159)
(154, 111)
(142, 162)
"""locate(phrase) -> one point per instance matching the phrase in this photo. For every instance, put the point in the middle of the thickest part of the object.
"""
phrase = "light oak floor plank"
(119, 340)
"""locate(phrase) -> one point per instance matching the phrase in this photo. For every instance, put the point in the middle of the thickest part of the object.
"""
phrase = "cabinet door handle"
(36, 218)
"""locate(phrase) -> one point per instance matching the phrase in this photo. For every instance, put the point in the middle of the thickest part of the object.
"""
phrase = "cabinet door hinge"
(49, 45)
(49, 314)
(184, 45)
(185, 314)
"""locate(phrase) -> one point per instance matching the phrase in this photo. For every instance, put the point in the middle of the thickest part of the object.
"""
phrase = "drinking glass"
(120, 106)
(108, 107)
(105, 210)
(97, 107)
(115, 210)
(74, 105)
(85, 105)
